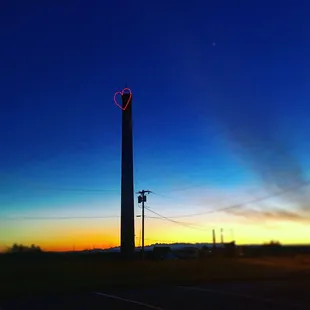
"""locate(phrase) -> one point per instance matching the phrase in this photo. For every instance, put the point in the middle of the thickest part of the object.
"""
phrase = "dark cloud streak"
(255, 137)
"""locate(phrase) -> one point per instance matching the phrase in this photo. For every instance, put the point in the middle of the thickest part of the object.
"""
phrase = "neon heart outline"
(122, 93)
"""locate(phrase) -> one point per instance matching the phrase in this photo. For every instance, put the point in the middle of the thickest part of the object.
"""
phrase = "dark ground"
(229, 295)
(93, 282)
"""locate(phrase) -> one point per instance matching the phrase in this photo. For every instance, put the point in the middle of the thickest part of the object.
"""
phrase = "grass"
(67, 274)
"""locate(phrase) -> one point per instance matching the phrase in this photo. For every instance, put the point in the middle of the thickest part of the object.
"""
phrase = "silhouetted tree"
(272, 244)
(272, 248)
(20, 248)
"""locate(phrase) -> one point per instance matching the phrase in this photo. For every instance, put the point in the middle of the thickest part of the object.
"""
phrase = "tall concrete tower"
(127, 187)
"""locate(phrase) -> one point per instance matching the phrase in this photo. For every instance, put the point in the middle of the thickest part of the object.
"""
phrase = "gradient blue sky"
(195, 68)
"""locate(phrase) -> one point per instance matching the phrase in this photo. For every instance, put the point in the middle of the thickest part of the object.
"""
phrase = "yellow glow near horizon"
(83, 233)
(104, 234)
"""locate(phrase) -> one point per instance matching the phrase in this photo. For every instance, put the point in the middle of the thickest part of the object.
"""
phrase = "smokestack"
(222, 236)
(214, 240)
(127, 188)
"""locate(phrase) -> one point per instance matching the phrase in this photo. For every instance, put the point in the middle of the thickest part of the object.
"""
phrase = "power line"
(200, 184)
(245, 203)
(196, 186)
(176, 222)
(161, 195)
(81, 190)
(65, 217)
(56, 217)
(160, 218)
(171, 198)
(39, 186)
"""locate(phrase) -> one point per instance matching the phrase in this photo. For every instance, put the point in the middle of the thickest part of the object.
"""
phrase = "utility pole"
(142, 199)
(222, 236)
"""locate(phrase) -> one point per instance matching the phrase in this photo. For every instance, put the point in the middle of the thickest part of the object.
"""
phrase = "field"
(71, 274)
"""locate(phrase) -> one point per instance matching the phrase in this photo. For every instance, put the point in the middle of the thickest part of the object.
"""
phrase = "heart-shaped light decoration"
(122, 93)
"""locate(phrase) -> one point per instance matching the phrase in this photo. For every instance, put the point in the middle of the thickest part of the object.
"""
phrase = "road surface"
(212, 296)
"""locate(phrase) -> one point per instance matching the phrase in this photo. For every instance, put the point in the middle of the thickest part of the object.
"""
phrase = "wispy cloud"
(255, 204)
(272, 214)
(256, 137)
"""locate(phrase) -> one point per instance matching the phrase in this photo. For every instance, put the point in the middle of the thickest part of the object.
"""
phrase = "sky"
(221, 119)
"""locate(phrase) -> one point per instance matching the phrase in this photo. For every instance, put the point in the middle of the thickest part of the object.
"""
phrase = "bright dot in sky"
(213, 44)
